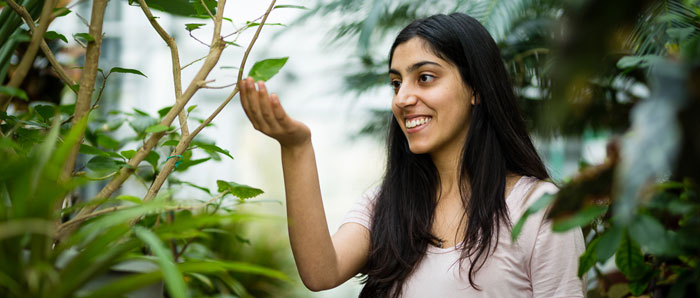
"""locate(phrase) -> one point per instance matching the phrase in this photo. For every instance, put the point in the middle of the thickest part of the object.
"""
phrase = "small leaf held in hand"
(193, 26)
(265, 69)
(126, 70)
(55, 35)
(240, 190)
(19, 93)
(157, 128)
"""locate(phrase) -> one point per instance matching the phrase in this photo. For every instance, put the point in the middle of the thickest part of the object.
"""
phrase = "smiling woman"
(460, 167)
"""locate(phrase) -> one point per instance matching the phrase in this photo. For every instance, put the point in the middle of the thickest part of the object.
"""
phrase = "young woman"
(461, 169)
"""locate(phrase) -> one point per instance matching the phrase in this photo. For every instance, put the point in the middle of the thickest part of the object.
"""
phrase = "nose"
(406, 96)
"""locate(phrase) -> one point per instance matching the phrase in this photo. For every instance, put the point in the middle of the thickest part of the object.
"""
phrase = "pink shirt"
(540, 263)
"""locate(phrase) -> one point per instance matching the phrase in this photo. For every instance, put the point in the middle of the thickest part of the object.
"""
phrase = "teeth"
(417, 121)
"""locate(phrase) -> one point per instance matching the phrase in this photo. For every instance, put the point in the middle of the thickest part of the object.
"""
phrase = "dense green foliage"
(57, 239)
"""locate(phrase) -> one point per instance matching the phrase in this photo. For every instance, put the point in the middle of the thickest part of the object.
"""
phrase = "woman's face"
(431, 102)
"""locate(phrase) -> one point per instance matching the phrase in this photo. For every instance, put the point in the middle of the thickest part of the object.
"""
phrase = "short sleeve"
(361, 211)
(554, 262)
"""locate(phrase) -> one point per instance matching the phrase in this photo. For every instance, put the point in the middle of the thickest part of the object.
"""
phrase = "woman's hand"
(268, 116)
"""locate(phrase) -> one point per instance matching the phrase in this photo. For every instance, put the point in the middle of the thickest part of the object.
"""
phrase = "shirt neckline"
(437, 250)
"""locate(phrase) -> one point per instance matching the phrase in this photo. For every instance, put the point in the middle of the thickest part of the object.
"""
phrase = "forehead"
(414, 50)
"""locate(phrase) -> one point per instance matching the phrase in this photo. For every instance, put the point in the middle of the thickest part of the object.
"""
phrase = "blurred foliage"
(630, 69)
(185, 246)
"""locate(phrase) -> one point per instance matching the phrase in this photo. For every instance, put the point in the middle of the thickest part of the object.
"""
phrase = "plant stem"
(87, 81)
(175, 61)
(186, 140)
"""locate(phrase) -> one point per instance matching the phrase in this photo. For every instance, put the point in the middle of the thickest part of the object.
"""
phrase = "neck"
(447, 164)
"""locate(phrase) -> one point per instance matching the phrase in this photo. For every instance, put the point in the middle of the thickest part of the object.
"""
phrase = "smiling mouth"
(418, 121)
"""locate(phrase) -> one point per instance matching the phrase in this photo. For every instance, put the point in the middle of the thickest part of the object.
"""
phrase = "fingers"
(264, 111)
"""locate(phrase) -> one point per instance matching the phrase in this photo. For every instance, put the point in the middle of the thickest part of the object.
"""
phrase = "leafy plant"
(54, 243)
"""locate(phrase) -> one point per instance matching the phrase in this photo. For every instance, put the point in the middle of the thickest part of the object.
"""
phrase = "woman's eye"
(424, 78)
(396, 85)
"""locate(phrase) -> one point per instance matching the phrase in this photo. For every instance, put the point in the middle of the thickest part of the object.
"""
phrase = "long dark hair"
(497, 143)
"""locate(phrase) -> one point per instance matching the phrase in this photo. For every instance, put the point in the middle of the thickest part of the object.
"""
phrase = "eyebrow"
(414, 67)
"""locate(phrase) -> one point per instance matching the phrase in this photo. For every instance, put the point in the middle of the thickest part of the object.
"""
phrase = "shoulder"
(527, 191)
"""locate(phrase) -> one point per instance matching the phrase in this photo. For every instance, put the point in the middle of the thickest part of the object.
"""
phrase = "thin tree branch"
(44, 47)
(87, 81)
(208, 11)
(193, 62)
(28, 59)
(212, 58)
(175, 61)
(185, 141)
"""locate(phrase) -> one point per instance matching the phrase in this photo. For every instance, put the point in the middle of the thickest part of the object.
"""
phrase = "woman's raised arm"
(323, 261)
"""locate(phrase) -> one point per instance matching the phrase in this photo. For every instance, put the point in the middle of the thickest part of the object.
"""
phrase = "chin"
(418, 148)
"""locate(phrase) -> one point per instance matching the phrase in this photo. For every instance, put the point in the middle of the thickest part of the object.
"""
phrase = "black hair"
(497, 143)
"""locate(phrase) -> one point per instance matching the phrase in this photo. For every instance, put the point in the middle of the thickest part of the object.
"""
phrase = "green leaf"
(239, 190)
(55, 35)
(651, 234)
(581, 218)
(164, 111)
(171, 143)
(128, 154)
(541, 202)
(189, 109)
(290, 6)
(141, 122)
(193, 26)
(608, 244)
(629, 258)
(171, 274)
(128, 198)
(266, 69)
(14, 92)
(107, 142)
(45, 111)
(89, 150)
(638, 61)
(127, 70)
(638, 286)
(84, 36)
(103, 164)
(213, 148)
(157, 128)
(64, 11)
(588, 258)
(202, 188)
(152, 158)
(190, 163)
(680, 33)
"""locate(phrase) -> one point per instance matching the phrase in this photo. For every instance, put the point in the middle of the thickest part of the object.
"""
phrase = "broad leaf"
(608, 244)
(213, 148)
(541, 202)
(89, 150)
(239, 190)
(129, 198)
(266, 69)
(107, 142)
(126, 70)
(103, 164)
(193, 26)
(588, 258)
(157, 128)
(128, 154)
(152, 158)
(19, 93)
(55, 35)
(581, 218)
(84, 36)
(629, 258)
(164, 111)
(171, 143)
